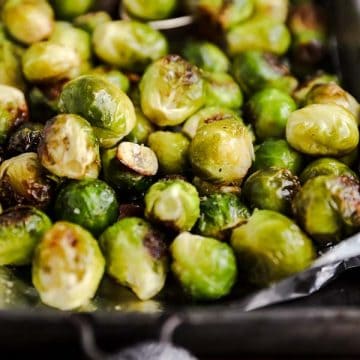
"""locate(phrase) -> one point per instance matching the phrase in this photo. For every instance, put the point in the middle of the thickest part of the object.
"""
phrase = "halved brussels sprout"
(135, 256)
(69, 148)
(129, 45)
(171, 90)
(154, 10)
(274, 9)
(67, 266)
(322, 130)
(174, 203)
(205, 267)
(219, 213)
(21, 228)
(143, 128)
(91, 20)
(68, 9)
(113, 75)
(107, 108)
(91, 204)
(270, 247)
(206, 188)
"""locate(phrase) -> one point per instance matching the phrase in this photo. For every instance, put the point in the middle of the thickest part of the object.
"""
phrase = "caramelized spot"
(155, 244)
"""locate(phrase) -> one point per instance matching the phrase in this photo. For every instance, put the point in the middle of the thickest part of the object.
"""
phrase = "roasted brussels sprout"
(129, 45)
(69, 9)
(135, 256)
(69, 148)
(174, 203)
(28, 21)
(269, 111)
(273, 9)
(113, 75)
(322, 130)
(171, 150)
(91, 204)
(219, 213)
(271, 189)
(205, 267)
(91, 20)
(143, 128)
(67, 266)
(171, 90)
(107, 108)
(154, 10)
(270, 247)
(21, 228)
(206, 188)
(222, 152)
(24, 181)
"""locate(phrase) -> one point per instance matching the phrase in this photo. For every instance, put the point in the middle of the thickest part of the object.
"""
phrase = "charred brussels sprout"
(135, 256)
(270, 247)
(205, 267)
(271, 189)
(67, 266)
(171, 90)
(206, 188)
(274, 9)
(143, 128)
(154, 10)
(128, 45)
(107, 108)
(89, 203)
(322, 130)
(68, 9)
(113, 75)
(69, 148)
(21, 228)
(173, 203)
(91, 20)
(219, 213)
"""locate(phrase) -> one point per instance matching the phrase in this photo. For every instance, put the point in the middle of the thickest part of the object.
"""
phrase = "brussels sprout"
(21, 228)
(135, 256)
(171, 90)
(91, 20)
(143, 128)
(46, 62)
(206, 56)
(269, 111)
(219, 213)
(206, 188)
(274, 9)
(222, 90)
(13, 110)
(69, 9)
(107, 108)
(279, 154)
(322, 129)
(270, 247)
(91, 204)
(69, 148)
(205, 267)
(171, 150)
(174, 203)
(129, 45)
(271, 189)
(113, 75)
(255, 70)
(28, 21)
(23, 181)
(67, 266)
(326, 166)
(154, 10)
(222, 152)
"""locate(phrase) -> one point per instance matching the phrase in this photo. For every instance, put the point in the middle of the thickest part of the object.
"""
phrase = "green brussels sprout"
(69, 148)
(206, 56)
(154, 10)
(28, 21)
(69, 9)
(222, 90)
(143, 128)
(205, 267)
(21, 228)
(255, 70)
(135, 256)
(262, 34)
(171, 150)
(206, 188)
(129, 45)
(270, 247)
(171, 90)
(322, 130)
(107, 108)
(326, 166)
(271, 189)
(274, 9)
(219, 213)
(24, 181)
(174, 203)
(13, 110)
(269, 110)
(47, 62)
(113, 75)
(67, 266)
(277, 153)
(91, 20)
(91, 204)
(222, 152)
